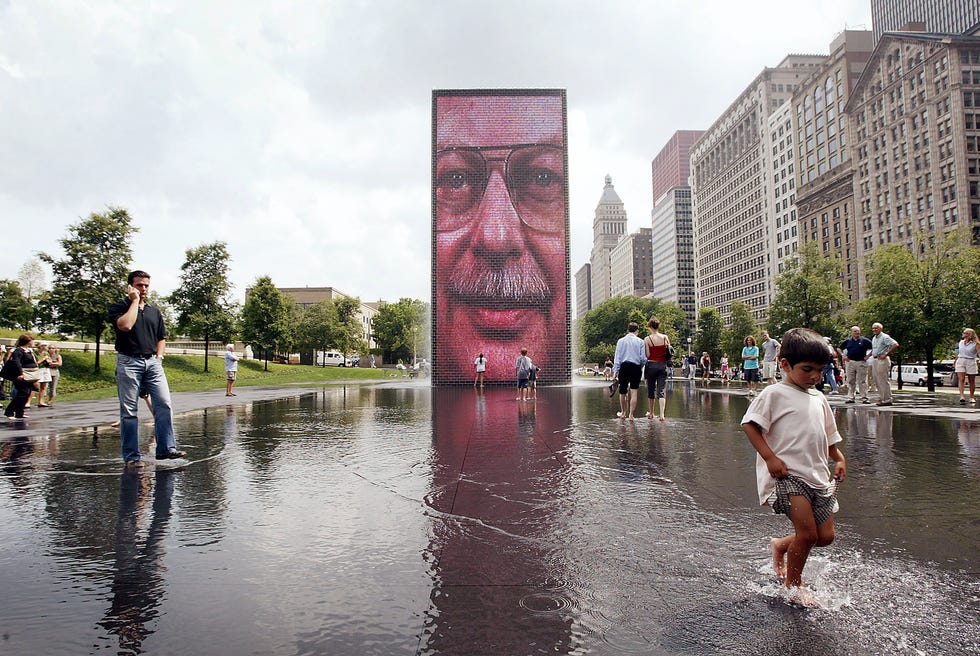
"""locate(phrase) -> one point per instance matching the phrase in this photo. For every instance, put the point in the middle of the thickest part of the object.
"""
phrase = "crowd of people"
(29, 370)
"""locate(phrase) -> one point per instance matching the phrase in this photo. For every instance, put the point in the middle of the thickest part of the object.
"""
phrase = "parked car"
(332, 358)
(916, 374)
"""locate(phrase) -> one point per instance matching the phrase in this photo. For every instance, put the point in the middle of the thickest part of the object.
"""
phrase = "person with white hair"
(882, 346)
(231, 368)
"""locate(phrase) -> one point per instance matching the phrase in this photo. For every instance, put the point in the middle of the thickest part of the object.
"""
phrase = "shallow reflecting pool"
(405, 520)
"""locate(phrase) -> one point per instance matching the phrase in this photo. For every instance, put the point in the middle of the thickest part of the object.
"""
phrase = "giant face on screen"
(500, 233)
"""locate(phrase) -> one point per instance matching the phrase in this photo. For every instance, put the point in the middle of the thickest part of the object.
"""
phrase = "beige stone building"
(607, 227)
(631, 265)
(822, 160)
(307, 296)
(915, 120)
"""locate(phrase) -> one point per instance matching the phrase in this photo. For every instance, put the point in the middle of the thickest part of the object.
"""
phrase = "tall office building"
(938, 16)
(730, 164)
(914, 115)
(670, 220)
(583, 290)
(631, 266)
(824, 193)
(780, 189)
(672, 251)
(672, 165)
(607, 227)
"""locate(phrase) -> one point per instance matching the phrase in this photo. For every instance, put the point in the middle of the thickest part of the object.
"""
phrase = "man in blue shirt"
(855, 350)
(628, 364)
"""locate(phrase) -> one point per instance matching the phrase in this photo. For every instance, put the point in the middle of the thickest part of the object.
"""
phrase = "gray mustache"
(515, 285)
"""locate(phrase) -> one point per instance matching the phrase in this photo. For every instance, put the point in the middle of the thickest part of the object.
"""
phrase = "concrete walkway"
(66, 416)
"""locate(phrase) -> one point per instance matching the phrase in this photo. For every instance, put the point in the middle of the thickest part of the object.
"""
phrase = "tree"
(92, 275)
(31, 279)
(808, 294)
(318, 326)
(349, 337)
(710, 331)
(15, 309)
(603, 325)
(265, 318)
(922, 296)
(741, 324)
(204, 309)
(399, 329)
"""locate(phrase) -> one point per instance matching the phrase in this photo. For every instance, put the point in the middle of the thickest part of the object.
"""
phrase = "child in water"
(794, 432)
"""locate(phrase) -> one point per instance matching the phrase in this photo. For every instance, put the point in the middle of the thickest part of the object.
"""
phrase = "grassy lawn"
(186, 374)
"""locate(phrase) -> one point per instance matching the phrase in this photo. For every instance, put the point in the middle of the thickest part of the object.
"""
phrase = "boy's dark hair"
(804, 345)
(133, 275)
(632, 327)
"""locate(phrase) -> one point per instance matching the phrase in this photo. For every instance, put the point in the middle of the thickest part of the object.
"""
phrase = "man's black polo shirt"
(146, 332)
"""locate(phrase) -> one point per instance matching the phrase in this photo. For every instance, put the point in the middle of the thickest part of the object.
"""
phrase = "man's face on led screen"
(500, 231)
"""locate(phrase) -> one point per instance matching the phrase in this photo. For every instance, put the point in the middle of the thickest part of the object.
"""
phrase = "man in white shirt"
(770, 348)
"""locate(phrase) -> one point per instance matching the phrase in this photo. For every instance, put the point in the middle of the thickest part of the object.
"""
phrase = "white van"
(331, 358)
(915, 374)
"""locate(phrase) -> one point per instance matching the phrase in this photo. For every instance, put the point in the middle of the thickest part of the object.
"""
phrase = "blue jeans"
(133, 375)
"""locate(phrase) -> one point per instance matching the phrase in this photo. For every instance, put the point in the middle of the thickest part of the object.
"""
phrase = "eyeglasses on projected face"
(534, 175)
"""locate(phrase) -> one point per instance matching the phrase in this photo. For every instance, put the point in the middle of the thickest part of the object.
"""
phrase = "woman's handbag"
(669, 355)
(33, 375)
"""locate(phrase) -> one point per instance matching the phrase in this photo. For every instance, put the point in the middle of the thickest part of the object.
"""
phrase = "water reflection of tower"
(497, 494)
(138, 584)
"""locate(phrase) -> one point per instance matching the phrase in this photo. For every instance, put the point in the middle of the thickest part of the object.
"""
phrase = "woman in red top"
(656, 344)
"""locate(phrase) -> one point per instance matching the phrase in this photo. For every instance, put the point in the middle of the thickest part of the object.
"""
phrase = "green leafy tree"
(603, 325)
(201, 301)
(92, 274)
(349, 337)
(711, 329)
(808, 294)
(923, 297)
(318, 326)
(265, 318)
(742, 323)
(399, 329)
(16, 310)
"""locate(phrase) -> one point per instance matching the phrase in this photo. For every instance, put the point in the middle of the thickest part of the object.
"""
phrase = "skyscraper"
(607, 227)
(673, 256)
(940, 16)
(729, 165)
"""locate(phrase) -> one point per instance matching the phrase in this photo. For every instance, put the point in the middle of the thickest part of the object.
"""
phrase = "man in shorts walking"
(770, 347)
(231, 368)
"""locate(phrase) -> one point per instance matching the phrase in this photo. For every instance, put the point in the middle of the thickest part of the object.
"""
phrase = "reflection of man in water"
(500, 189)
(138, 583)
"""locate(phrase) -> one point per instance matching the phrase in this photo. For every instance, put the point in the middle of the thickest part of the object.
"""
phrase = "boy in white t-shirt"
(794, 432)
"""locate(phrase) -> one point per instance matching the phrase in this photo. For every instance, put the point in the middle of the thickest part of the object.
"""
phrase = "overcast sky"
(299, 132)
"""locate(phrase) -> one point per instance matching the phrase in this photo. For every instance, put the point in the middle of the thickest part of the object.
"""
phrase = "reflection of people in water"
(14, 464)
(137, 584)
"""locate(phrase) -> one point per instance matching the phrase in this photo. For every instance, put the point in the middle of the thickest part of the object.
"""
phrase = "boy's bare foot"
(778, 558)
(662, 418)
(803, 597)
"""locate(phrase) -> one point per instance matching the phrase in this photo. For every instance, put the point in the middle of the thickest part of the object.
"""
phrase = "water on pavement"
(399, 519)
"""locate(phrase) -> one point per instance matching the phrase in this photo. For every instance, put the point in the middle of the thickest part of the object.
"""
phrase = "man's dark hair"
(804, 345)
(133, 275)
(633, 327)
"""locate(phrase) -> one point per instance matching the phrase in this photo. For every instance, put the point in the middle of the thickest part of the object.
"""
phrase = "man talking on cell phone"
(140, 343)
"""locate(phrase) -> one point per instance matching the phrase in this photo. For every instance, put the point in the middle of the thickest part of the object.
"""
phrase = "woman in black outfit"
(22, 358)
